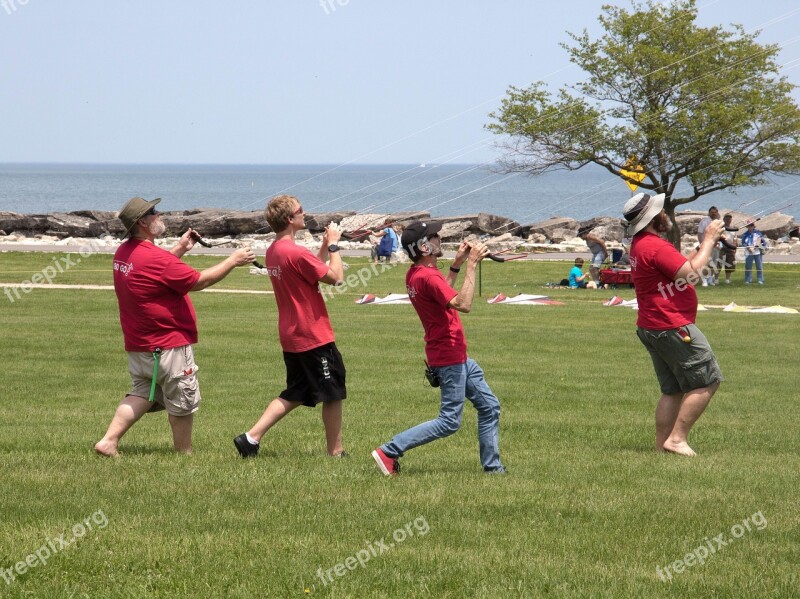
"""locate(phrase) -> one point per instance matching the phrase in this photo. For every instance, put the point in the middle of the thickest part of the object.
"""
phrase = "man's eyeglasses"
(298, 211)
(151, 212)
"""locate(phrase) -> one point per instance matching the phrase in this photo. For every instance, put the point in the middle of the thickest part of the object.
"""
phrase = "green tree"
(704, 105)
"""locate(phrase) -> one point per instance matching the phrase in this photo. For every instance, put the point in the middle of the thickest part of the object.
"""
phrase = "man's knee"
(490, 410)
(450, 425)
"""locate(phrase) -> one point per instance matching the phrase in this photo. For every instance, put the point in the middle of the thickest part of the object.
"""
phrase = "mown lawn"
(587, 509)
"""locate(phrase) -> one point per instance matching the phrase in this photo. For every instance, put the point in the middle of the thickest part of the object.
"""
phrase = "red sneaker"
(389, 466)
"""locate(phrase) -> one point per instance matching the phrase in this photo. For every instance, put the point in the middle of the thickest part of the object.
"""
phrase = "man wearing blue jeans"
(437, 303)
(753, 243)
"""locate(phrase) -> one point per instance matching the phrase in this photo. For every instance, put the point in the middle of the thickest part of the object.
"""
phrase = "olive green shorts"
(681, 366)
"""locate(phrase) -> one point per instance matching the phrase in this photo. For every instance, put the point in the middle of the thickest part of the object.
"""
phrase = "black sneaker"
(341, 454)
(498, 470)
(244, 447)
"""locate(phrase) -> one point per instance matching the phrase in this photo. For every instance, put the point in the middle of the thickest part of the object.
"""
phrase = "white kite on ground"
(524, 299)
(392, 298)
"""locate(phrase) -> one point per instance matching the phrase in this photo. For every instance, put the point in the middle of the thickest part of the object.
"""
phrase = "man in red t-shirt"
(664, 279)
(315, 371)
(159, 324)
(437, 304)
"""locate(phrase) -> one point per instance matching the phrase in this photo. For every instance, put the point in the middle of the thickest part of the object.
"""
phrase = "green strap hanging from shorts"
(156, 358)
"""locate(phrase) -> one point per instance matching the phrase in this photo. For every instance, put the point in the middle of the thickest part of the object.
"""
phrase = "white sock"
(250, 439)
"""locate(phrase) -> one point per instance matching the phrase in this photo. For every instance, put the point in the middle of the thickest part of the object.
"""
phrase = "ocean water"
(442, 190)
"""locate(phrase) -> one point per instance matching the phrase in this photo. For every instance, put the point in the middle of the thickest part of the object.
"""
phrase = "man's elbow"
(332, 280)
(458, 306)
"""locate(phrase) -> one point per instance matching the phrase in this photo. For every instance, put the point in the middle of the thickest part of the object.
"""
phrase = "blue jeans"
(748, 268)
(457, 382)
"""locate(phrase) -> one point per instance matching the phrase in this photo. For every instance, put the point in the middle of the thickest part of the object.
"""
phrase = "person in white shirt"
(712, 275)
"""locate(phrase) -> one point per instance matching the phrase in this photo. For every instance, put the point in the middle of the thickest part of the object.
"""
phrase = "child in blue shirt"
(577, 280)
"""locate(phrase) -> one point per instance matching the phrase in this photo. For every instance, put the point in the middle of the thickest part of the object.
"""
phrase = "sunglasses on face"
(151, 212)
(298, 211)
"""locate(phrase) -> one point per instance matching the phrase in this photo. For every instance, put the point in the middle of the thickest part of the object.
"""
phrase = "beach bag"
(385, 246)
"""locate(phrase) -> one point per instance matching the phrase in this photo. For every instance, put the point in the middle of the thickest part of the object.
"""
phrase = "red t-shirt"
(429, 293)
(663, 302)
(151, 286)
(295, 272)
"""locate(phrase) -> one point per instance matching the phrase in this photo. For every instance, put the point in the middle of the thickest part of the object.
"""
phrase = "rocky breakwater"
(249, 227)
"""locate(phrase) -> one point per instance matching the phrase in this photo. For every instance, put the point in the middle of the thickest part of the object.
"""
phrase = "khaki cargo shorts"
(177, 388)
(681, 366)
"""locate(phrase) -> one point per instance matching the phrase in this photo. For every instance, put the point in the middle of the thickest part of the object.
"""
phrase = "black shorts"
(314, 376)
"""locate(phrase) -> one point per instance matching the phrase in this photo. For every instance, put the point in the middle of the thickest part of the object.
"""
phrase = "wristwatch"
(333, 248)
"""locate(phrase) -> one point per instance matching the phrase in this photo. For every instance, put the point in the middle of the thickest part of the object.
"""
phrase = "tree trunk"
(674, 234)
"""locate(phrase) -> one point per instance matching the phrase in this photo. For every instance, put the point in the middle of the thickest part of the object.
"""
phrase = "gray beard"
(157, 228)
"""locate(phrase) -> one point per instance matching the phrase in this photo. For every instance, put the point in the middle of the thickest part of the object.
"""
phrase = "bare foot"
(681, 448)
(106, 448)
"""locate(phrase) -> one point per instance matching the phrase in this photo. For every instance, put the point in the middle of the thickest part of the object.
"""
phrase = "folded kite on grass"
(524, 299)
(618, 301)
(732, 307)
(392, 298)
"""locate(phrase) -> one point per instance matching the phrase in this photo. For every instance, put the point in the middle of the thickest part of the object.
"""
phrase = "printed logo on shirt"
(123, 267)
(412, 292)
(274, 271)
(633, 263)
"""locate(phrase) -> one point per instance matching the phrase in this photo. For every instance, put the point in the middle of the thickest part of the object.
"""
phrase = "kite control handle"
(199, 239)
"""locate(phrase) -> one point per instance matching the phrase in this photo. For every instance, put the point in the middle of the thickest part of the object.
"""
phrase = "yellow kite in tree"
(632, 170)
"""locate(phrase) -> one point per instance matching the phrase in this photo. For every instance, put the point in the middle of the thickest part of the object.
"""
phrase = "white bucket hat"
(640, 210)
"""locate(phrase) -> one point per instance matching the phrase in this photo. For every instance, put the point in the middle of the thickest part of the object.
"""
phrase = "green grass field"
(587, 509)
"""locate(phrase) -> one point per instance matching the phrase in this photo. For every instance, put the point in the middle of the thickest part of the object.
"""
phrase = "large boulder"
(28, 223)
(245, 223)
(317, 221)
(355, 225)
(405, 218)
(605, 227)
(492, 224)
(455, 230)
(103, 222)
(209, 223)
(776, 225)
(689, 219)
(559, 226)
(68, 225)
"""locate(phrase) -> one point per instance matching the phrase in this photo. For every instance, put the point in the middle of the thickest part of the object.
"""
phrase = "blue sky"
(291, 81)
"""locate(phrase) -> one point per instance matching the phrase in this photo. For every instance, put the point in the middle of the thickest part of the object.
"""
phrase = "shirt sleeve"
(668, 260)
(439, 291)
(177, 275)
(311, 268)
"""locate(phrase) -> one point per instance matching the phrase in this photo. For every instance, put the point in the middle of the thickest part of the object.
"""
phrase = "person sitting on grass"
(577, 279)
